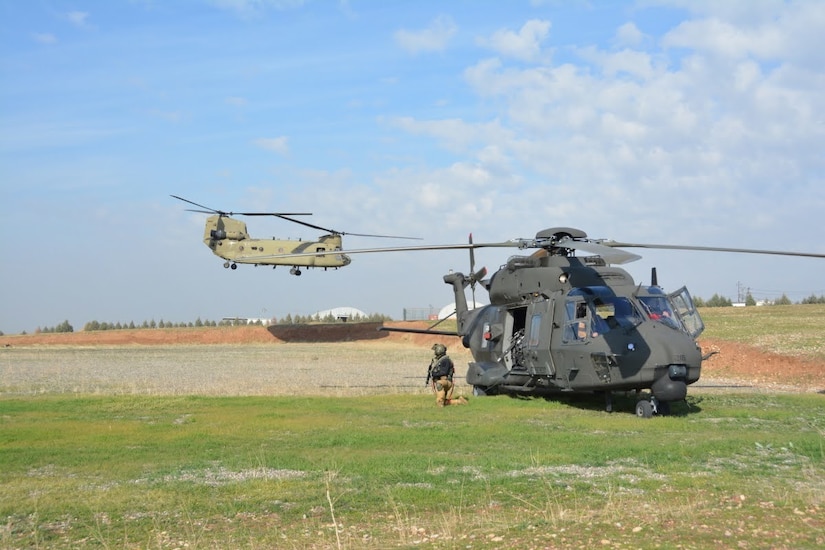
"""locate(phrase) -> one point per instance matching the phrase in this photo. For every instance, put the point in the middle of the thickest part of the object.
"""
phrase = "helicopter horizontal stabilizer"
(420, 331)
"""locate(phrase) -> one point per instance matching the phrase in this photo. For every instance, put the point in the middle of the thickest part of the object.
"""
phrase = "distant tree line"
(721, 301)
(65, 326)
(288, 320)
(330, 318)
(715, 301)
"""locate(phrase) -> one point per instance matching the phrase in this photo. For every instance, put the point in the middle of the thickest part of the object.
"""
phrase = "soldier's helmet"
(440, 349)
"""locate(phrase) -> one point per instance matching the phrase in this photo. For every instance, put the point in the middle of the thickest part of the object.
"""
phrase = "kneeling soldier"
(441, 373)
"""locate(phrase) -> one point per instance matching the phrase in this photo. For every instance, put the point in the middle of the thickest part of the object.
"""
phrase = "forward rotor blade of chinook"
(207, 210)
(617, 244)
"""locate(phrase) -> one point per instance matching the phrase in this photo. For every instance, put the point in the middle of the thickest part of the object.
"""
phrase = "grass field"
(340, 446)
(743, 471)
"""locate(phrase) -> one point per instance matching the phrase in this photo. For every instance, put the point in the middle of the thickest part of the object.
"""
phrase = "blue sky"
(672, 121)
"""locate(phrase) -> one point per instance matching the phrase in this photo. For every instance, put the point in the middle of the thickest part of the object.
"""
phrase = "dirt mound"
(740, 361)
(338, 332)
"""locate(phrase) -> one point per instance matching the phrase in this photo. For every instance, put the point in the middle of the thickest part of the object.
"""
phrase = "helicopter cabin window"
(600, 312)
(576, 322)
(535, 327)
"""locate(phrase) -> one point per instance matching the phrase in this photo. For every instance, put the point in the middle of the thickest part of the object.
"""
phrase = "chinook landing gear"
(295, 271)
(233, 265)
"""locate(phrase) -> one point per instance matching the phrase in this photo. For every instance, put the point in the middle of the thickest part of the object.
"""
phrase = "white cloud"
(455, 134)
(524, 45)
(278, 145)
(629, 35)
(434, 37)
(711, 119)
(256, 6)
(636, 63)
(44, 38)
(78, 19)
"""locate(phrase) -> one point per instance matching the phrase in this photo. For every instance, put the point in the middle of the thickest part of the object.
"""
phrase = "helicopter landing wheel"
(295, 271)
(226, 265)
(644, 409)
(234, 266)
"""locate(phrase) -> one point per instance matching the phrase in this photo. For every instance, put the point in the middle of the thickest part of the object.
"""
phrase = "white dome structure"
(448, 311)
(340, 313)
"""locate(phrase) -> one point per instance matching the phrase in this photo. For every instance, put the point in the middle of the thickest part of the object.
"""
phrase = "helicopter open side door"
(538, 332)
(683, 304)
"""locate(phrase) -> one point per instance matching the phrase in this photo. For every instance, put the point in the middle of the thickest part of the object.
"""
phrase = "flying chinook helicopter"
(228, 238)
(558, 322)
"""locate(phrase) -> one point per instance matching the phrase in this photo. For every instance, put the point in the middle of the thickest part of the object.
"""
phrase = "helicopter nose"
(346, 259)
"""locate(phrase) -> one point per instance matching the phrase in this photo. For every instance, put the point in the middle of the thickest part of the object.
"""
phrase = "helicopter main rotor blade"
(334, 232)
(207, 210)
(617, 244)
(611, 255)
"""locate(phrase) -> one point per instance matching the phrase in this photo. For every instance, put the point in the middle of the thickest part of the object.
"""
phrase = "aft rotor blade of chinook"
(279, 214)
(334, 232)
(611, 255)
(713, 249)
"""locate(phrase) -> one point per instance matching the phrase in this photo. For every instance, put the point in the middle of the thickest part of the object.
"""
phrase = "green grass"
(797, 330)
(743, 470)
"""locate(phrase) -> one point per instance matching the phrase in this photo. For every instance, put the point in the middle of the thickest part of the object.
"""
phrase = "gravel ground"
(336, 369)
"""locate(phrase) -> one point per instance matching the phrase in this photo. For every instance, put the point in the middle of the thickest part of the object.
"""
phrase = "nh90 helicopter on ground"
(558, 322)
(228, 238)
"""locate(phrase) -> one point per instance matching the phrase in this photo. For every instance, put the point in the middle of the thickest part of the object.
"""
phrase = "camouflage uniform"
(441, 372)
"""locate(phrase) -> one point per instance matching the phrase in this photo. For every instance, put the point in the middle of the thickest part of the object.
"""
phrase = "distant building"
(247, 321)
(340, 314)
(448, 311)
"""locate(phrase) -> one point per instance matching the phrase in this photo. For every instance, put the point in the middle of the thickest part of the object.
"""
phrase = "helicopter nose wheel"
(644, 409)
(647, 408)
(295, 271)
(234, 266)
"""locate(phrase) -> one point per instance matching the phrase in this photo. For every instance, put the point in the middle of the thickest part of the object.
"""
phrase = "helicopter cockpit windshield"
(658, 308)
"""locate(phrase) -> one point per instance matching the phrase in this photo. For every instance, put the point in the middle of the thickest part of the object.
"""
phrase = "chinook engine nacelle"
(222, 234)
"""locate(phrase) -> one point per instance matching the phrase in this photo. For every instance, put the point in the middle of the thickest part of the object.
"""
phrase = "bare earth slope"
(733, 361)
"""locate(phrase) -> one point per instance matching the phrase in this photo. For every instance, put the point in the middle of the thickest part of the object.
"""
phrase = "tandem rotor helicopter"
(559, 322)
(228, 238)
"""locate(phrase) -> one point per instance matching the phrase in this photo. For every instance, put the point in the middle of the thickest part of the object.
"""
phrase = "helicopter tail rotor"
(475, 276)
